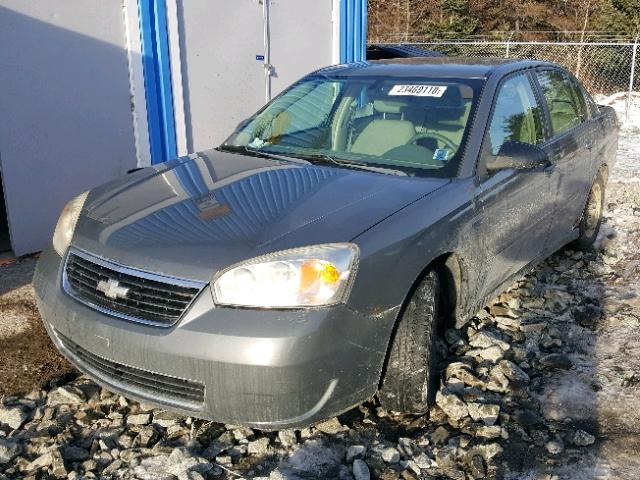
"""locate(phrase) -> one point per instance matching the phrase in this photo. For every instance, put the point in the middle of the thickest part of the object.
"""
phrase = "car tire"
(591, 219)
(410, 380)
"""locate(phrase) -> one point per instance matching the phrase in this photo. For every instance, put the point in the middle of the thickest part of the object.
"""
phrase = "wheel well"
(453, 281)
(452, 276)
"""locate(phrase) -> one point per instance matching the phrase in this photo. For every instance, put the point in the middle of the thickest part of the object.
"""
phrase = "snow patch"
(619, 101)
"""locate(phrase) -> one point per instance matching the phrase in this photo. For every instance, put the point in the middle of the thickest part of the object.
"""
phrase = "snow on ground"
(601, 391)
(628, 163)
(629, 120)
(627, 168)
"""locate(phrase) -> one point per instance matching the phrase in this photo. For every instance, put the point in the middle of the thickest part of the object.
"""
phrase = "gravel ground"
(543, 384)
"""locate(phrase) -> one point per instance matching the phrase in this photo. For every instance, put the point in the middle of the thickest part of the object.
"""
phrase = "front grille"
(140, 296)
(152, 386)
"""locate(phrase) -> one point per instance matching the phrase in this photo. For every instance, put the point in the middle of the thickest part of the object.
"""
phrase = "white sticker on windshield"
(419, 90)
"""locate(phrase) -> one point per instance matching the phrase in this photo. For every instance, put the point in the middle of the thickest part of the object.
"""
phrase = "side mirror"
(518, 155)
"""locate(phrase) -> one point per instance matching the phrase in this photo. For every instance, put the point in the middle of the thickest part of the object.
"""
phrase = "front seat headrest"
(389, 106)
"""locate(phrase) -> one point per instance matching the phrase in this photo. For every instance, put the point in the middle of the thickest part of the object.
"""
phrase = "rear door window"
(516, 114)
(579, 96)
(566, 107)
(592, 108)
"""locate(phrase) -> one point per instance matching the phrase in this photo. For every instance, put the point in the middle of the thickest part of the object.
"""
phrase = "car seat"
(384, 134)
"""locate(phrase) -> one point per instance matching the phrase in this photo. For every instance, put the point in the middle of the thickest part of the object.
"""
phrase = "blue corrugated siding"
(353, 30)
(157, 79)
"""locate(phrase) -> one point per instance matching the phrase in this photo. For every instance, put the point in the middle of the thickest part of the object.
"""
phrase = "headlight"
(303, 277)
(67, 223)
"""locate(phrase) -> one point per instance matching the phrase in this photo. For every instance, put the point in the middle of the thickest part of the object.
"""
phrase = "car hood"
(198, 214)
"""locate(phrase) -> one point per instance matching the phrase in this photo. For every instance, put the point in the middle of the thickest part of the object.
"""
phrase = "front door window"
(516, 114)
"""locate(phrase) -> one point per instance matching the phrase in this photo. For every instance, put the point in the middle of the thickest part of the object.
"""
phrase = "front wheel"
(410, 380)
(591, 220)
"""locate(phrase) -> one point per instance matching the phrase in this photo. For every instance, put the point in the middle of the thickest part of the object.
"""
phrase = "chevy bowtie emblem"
(112, 289)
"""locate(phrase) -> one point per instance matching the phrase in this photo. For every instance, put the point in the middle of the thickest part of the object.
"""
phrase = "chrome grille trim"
(154, 299)
(156, 387)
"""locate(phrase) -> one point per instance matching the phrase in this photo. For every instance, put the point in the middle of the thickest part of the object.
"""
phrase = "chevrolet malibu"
(313, 259)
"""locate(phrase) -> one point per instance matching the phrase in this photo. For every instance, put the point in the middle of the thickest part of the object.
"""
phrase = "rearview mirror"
(518, 155)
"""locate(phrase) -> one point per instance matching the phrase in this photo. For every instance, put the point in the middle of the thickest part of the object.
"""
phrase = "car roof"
(450, 67)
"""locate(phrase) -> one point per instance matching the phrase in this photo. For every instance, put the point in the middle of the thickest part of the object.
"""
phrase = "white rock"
(489, 431)
(42, 461)
(331, 426)
(413, 466)
(423, 461)
(360, 470)
(513, 372)
(583, 439)
(451, 405)
(493, 353)
(463, 372)
(242, 433)
(287, 437)
(554, 447)
(259, 447)
(14, 417)
(490, 450)
(498, 382)
(390, 455)
(486, 413)
(306, 433)
(486, 339)
(165, 419)
(406, 446)
(224, 460)
(63, 396)
(355, 451)
(139, 419)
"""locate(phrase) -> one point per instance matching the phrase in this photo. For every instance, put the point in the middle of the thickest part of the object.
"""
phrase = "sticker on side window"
(419, 90)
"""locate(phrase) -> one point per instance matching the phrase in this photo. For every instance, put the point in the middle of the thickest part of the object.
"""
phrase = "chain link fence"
(609, 70)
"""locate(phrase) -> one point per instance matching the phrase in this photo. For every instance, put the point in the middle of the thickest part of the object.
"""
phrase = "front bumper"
(261, 368)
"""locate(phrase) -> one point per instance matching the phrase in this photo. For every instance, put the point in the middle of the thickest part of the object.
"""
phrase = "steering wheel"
(447, 142)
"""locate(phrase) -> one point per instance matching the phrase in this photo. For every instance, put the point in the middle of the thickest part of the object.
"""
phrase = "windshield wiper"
(254, 152)
(341, 162)
(310, 157)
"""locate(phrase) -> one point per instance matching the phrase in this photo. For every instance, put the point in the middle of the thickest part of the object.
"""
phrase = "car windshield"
(417, 126)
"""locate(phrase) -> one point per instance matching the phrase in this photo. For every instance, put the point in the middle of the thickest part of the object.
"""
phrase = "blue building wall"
(157, 69)
(353, 30)
(157, 79)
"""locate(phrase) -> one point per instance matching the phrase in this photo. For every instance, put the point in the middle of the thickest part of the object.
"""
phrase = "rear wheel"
(410, 381)
(591, 220)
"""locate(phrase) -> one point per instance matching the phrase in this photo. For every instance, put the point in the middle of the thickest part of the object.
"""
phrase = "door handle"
(549, 168)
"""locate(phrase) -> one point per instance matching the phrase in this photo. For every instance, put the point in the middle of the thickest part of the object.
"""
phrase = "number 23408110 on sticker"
(419, 90)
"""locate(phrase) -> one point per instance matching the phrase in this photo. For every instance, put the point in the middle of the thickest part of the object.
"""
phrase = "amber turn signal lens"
(313, 271)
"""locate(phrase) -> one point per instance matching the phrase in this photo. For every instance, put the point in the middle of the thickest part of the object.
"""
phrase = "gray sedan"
(313, 260)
